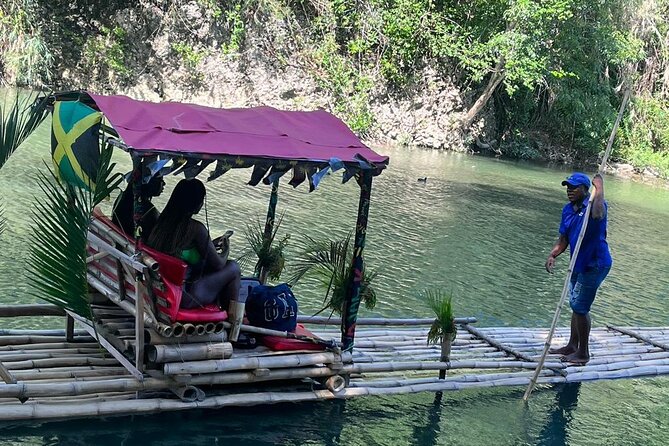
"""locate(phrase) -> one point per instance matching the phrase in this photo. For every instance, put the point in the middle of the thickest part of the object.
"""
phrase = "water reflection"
(428, 434)
(557, 428)
(293, 424)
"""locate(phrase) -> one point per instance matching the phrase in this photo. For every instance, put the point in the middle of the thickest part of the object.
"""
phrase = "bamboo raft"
(64, 373)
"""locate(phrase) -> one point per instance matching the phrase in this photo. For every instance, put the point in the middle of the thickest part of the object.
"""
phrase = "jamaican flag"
(75, 144)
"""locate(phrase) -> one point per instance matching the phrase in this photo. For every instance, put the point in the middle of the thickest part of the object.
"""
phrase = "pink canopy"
(258, 132)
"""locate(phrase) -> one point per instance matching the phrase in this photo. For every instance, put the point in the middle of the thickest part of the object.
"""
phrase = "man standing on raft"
(592, 264)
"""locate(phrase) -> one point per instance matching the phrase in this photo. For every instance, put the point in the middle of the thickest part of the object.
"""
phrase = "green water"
(478, 226)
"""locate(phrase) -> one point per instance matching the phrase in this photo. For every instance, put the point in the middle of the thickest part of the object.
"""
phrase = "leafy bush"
(108, 51)
(329, 262)
(443, 327)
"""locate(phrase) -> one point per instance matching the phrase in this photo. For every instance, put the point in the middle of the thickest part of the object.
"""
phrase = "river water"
(478, 227)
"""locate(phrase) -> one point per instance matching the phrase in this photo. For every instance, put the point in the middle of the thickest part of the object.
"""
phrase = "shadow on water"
(428, 434)
(280, 424)
(556, 430)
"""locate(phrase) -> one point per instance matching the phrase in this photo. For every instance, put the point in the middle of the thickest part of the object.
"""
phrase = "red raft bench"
(161, 282)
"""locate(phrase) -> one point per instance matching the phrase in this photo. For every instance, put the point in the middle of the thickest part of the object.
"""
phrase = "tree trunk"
(496, 78)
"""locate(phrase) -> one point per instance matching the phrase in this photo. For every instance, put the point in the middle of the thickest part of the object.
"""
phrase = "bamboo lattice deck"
(60, 379)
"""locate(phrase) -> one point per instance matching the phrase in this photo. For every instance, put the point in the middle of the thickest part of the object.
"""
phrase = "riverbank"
(302, 58)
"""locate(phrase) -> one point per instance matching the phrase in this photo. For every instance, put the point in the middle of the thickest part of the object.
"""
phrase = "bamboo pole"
(28, 339)
(96, 241)
(51, 332)
(397, 366)
(282, 361)
(248, 377)
(29, 310)
(34, 390)
(60, 362)
(33, 354)
(639, 337)
(454, 378)
(577, 248)
(68, 373)
(113, 296)
(47, 346)
(188, 352)
(153, 338)
(6, 375)
(322, 320)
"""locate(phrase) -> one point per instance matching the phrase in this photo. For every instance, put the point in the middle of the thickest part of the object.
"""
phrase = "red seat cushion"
(208, 313)
(277, 343)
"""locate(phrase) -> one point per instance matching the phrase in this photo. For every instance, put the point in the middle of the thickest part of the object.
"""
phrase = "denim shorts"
(583, 288)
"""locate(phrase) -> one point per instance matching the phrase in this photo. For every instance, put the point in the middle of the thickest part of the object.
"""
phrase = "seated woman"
(122, 213)
(209, 278)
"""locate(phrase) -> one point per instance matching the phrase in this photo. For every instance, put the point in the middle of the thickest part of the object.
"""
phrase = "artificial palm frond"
(443, 326)
(60, 226)
(18, 119)
(269, 255)
(329, 262)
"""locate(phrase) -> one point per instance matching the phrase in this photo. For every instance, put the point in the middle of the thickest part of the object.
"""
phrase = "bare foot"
(566, 350)
(575, 359)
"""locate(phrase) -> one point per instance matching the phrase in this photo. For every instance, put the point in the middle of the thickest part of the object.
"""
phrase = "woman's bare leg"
(218, 287)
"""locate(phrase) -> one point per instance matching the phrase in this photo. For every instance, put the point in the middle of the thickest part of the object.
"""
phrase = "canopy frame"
(269, 170)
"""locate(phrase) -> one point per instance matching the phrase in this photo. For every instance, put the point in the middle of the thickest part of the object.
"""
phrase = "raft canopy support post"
(136, 178)
(269, 223)
(352, 302)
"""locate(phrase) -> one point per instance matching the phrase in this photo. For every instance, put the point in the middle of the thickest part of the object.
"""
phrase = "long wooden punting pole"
(574, 255)
(352, 302)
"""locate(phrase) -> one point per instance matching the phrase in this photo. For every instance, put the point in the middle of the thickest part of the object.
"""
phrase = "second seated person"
(209, 278)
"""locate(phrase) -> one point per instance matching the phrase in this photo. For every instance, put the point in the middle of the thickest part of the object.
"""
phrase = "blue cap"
(577, 179)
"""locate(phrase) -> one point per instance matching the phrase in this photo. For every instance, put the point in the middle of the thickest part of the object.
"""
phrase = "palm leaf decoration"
(329, 262)
(443, 326)
(60, 225)
(18, 119)
(270, 259)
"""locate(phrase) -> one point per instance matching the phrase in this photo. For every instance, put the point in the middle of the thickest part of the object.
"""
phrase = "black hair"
(174, 229)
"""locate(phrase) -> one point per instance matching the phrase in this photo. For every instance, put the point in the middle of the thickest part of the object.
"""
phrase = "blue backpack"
(273, 307)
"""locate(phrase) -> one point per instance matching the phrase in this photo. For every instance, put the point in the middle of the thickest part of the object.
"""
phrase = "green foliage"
(190, 56)
(645, 135)
(406, 26)
(560, 62)
(108, 50)
(348, 86)
(329, 262)
(18, 119)
(237, 29)
(269, 254)
(60, 222)
(212, 6)
(25, 53)
(443, 326)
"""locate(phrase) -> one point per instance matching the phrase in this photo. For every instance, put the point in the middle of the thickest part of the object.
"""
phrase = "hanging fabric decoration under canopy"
(276, 172)
(75, 143)
(221, 168)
